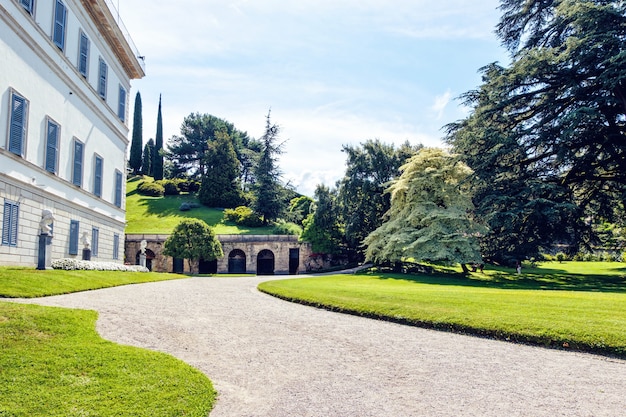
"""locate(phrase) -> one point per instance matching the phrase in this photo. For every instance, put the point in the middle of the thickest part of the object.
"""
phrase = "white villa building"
(65, 71)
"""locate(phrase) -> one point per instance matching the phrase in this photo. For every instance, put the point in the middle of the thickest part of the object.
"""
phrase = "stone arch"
(237, 262)
(149, 257)
(265, 262)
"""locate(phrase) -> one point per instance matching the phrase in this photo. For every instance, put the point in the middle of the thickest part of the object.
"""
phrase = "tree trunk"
(464, 268)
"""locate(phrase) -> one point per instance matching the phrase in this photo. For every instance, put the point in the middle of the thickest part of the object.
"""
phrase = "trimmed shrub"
(170, 187)
(150, 188)
(243, 216)
(70, 264)
(287, 228)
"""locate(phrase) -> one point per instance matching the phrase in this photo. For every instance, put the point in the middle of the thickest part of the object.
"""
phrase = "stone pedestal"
(142, 260)
(86, 254)
(42, 255)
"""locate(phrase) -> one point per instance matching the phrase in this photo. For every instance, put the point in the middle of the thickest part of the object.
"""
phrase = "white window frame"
(18, 124)
(56, 24)
(82, 36)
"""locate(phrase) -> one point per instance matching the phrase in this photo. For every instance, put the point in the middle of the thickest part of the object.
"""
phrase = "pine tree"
(146, 166)
(220, 185)
(137, 139)
(157, 167)
(268, 191)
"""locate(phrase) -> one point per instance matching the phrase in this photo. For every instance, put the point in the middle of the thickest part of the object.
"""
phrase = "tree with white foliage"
(430, 215)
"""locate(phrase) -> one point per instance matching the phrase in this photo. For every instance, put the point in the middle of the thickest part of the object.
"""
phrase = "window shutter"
(116, 246)
(102, 84)
(95, 235)
(84, 54)
(74, 226)
(77, 177)
(28, 5)
(60, 16)
(52, 143)
(18, 125)
(10, 223)
(118, 189)
(121, 108)
(97, 186)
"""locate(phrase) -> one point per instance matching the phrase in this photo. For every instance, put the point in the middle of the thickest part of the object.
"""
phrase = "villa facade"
(66, 67)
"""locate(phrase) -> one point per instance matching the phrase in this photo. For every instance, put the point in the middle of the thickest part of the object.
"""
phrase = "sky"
(332, 72)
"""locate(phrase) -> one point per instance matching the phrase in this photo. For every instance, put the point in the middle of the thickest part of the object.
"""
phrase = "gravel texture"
(271, 358)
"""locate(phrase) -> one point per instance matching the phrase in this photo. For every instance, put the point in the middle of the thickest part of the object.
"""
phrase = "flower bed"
(69, 264)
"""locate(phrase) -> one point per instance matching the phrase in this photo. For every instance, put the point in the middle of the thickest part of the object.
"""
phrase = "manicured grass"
(160, 215)
(53, 363)
(554, 304)
(28, 282)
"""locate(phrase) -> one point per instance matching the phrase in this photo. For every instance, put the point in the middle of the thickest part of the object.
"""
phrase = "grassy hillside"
(161, 214)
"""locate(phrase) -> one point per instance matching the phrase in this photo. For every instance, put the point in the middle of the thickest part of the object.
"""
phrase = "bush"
(170, 187)
(188, 186)
(243, 216)
(70, 264)
(285, 228)
(561, 257)
(150, 188)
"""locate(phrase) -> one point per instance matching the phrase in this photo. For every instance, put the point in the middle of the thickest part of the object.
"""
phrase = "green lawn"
(160, 215)
(28, 282)
(572, 305)
(53, 363)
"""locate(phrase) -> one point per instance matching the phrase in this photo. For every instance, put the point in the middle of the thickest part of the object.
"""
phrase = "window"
(19, 117)
(118, 188)
(95, 236)
(83, 54)
(116, 246)
(77, 170)
(9, 222)
(52, 147)
(102, 79)
(74, 226)
(60, 18)
(97, 176)
(121, 108)
(28, 5)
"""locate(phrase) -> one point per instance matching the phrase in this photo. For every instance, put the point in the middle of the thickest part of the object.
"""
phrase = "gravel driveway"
(271, 358)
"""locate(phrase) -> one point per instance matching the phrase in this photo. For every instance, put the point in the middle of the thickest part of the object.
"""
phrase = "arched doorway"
(237, 262)
(149, 257)
(207, 267)
(265, 262)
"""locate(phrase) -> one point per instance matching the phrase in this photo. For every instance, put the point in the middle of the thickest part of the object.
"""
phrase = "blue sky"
(333, 72)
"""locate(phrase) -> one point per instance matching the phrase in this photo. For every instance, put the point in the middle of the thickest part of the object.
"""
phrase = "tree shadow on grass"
(537, 279)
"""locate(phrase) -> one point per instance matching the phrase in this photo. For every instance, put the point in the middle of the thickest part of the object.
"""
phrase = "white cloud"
(440, 104)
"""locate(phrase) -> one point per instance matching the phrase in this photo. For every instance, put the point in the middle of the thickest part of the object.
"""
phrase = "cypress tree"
(157, 168)
(137, 140)
(146, 167)
(220, 185)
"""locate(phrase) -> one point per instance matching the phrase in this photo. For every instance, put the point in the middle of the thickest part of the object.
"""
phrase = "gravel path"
(271, 358)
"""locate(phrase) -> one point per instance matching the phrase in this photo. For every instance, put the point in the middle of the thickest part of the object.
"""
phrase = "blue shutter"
(95, 236)
(83, 57)
(102, 81)
(118, 189)
(116, 246)
(77, 175)
(9, 223)
(52, 144)
(74, 226)
(60, 17)
(97, 175)
(121, 108)
(17, 133)
(28, 5)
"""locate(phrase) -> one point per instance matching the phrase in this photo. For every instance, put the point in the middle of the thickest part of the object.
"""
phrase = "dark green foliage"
(187, 152)
(137, 139)
(157, 165)
(299, 209)
(552, 122)
(362, 200)
(269, 201)
(146, 166)
(193, 239)
(220, 185)
(170, 187)
(243, 216)
(322, 228)
(286, 228)
(150, 188)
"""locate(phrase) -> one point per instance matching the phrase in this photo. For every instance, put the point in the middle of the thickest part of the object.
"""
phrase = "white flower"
(70, 264)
